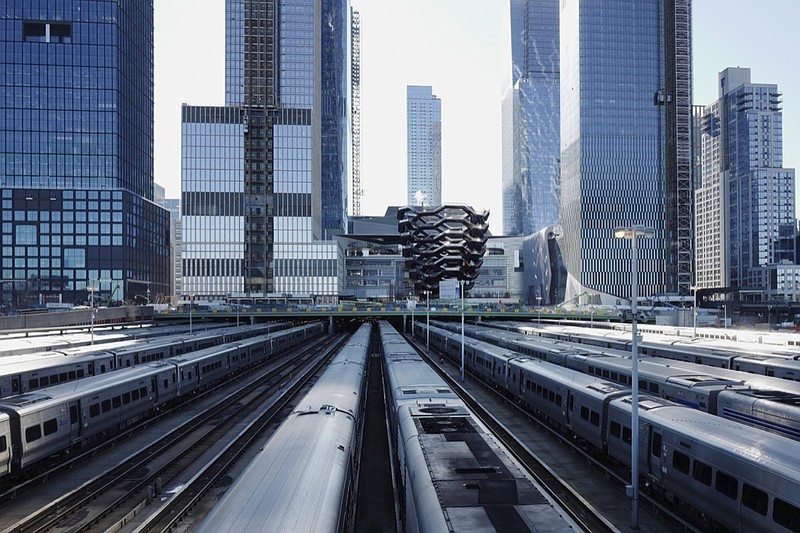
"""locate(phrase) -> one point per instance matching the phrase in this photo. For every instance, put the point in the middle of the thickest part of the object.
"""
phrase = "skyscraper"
(745, 202)
(288, 77)
(77, 154)
(424, 148)
(531, 150)
(626, 144)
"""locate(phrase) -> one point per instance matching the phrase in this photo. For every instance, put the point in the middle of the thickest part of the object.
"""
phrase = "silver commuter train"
(304, 477)
(26, 373)
(769, 404)
(743, 480)
(49, 421)
(454, 475)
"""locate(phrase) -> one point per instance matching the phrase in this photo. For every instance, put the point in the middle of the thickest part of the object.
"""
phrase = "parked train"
(769, 404)
(40, 424)
(766, 360)
(454, 475)
(728, 476)
(304, 478)
(26, 373)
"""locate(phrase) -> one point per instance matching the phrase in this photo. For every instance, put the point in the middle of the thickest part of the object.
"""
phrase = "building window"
(47, 32)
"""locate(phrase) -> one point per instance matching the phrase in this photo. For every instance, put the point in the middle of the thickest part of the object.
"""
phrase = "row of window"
(755, 499)
(117, 402)
(544, 392)
(62, 377)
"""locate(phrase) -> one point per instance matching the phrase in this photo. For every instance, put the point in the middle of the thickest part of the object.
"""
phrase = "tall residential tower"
(76, 154)
(626, 144)
(424, 127)
(745, 202)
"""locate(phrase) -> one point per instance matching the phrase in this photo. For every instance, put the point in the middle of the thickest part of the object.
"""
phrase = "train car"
(5, 445)
(725, 475)
(454, 475)
(47, 422)
(304, 477)
(741, 480)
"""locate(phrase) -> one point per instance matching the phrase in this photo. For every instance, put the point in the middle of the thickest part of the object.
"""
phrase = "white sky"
(460, 48)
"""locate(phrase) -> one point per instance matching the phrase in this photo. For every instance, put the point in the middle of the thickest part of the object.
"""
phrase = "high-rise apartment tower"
(424, 149)
(745, 202)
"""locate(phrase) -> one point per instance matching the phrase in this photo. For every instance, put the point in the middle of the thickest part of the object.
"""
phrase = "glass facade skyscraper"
(76, 154)
(746, 199)
(288, 77)
(531, 150)
(626, 144)
(424, 146)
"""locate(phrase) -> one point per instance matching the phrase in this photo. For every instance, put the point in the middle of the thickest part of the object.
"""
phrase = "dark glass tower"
(626, 144)
(76, 154)
(531, 151)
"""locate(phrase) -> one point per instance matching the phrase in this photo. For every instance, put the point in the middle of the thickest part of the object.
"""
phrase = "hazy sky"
(460, 48)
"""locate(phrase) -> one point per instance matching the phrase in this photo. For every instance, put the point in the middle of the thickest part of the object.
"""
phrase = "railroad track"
(112, 499)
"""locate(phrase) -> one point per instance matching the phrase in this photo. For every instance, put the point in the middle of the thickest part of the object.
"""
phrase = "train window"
(33, 433)
(73, 414)
(143, 392)
(614, 429)
(44, 381)
(755, 499)
(786, 515)
(680, 462)
(595, 418)
(72, 375)
(653, 387)
(105, 406)
(3, 444)
(33, 384)
(135, 394)
(166, 383)
(614, 376)
(81, 373)
(50, 426)
(727, 485)
(585, 415)
(626, 435)
(94, 409)
(63, 376)
(655, 445)
(551, 396)
(126, 398)
(117, 402)
(702, 473)
(558, 399)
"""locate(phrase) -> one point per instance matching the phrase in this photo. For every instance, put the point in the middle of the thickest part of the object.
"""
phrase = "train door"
(657, 455)
(76, 417)
(570, 403)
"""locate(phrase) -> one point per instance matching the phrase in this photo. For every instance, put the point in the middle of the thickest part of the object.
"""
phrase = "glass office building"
(424, 146)
(76, 154)
(626, 144)
(531, 149)
(288, 83)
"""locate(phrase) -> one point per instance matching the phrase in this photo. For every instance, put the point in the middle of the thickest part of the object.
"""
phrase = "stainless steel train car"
(770, 404)
(26, 373)
(303, 478)
(723, 474)
(766, 360)
(48, 421)
(454, 475)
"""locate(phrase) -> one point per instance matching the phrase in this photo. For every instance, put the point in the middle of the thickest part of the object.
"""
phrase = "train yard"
(263, 428)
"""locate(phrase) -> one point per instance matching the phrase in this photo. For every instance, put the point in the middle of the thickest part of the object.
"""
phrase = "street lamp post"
(539, 307)
(428, 320)
(694, 312)
(413, 306)
(632, 233)
(725, 316)
(191, 300)
(462, 282)
(91, 290)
